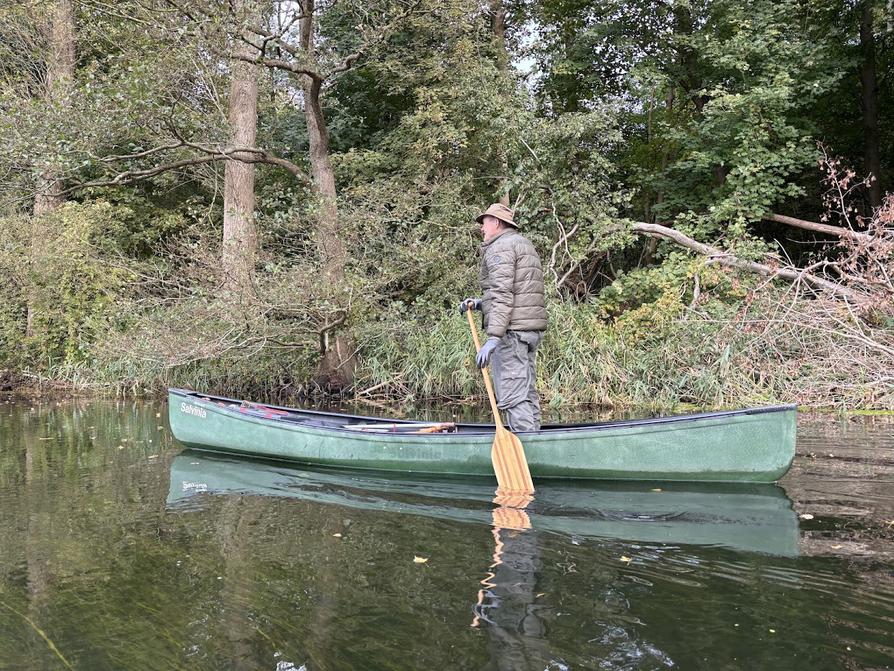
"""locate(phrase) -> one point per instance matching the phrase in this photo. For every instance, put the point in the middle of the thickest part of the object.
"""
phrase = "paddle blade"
(510, 465)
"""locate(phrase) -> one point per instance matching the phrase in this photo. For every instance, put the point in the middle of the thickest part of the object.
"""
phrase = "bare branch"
(242, 154)
(141, 154)
(131, 176)
(279, 64)
(251, 155)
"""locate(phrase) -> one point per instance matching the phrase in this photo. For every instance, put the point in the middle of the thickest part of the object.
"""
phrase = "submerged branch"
(40, 632)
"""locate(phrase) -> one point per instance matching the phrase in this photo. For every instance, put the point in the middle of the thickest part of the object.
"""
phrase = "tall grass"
(720, 355)
(717, 354)
(582, 360)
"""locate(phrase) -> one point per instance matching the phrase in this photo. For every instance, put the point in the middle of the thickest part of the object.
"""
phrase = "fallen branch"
(819, 228)
(730, 260)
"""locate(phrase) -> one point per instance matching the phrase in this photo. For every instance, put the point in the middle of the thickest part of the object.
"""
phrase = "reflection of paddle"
(508, 455)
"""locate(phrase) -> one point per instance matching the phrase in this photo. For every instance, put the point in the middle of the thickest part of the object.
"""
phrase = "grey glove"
(487, 349)
(476, 305)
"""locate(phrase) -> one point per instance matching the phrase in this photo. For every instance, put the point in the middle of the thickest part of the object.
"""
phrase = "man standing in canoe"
(514, 309)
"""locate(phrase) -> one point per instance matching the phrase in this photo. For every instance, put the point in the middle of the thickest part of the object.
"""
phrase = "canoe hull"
(743, 446)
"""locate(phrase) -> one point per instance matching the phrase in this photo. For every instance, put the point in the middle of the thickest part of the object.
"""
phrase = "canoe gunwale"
(485, 430)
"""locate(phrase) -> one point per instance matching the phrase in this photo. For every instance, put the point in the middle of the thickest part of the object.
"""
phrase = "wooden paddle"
(507, 454)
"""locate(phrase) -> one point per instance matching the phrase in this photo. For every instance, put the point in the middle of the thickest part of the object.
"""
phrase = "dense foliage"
(593, 117)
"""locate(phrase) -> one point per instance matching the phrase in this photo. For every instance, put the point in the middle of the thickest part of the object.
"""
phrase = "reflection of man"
(507, 606)
(514, 308)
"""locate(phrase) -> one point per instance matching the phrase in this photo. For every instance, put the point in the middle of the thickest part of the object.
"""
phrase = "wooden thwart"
(507, 454)
(378, 427)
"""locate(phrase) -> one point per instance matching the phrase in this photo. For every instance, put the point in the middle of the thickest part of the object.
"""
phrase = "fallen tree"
(837, 231)
(860, 272)
(771, 268)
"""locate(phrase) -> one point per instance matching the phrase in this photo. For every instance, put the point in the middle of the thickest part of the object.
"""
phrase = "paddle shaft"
(508, 455)
(487, 381)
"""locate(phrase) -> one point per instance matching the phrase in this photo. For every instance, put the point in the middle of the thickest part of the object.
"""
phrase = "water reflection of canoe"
(754, 517)
(755, 445)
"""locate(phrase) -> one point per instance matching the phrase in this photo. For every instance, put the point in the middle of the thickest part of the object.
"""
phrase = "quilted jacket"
(511, 279)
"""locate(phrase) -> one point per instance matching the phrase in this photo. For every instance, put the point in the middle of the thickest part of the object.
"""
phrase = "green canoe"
(754, 445)
(755, 517)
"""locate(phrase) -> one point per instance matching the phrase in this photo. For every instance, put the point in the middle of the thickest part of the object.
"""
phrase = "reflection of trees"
(70, 503)
(233, 520)
(37, 572)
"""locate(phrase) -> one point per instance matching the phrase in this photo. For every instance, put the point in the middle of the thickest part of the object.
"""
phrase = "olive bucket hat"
(499, 211)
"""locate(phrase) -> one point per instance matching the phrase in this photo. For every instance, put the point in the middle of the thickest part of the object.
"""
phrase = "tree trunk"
(59, 78)
(338, 361)
(869, 85)
(60, 75)
(240, 240)
(498, 27)
(331, 248)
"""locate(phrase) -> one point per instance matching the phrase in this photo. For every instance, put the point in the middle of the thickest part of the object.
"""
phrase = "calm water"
(119, 551)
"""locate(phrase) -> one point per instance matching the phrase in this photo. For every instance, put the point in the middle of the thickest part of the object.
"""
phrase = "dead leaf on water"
(419, 560)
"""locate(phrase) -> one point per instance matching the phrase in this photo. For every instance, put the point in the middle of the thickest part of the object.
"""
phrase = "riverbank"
(666, 358)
